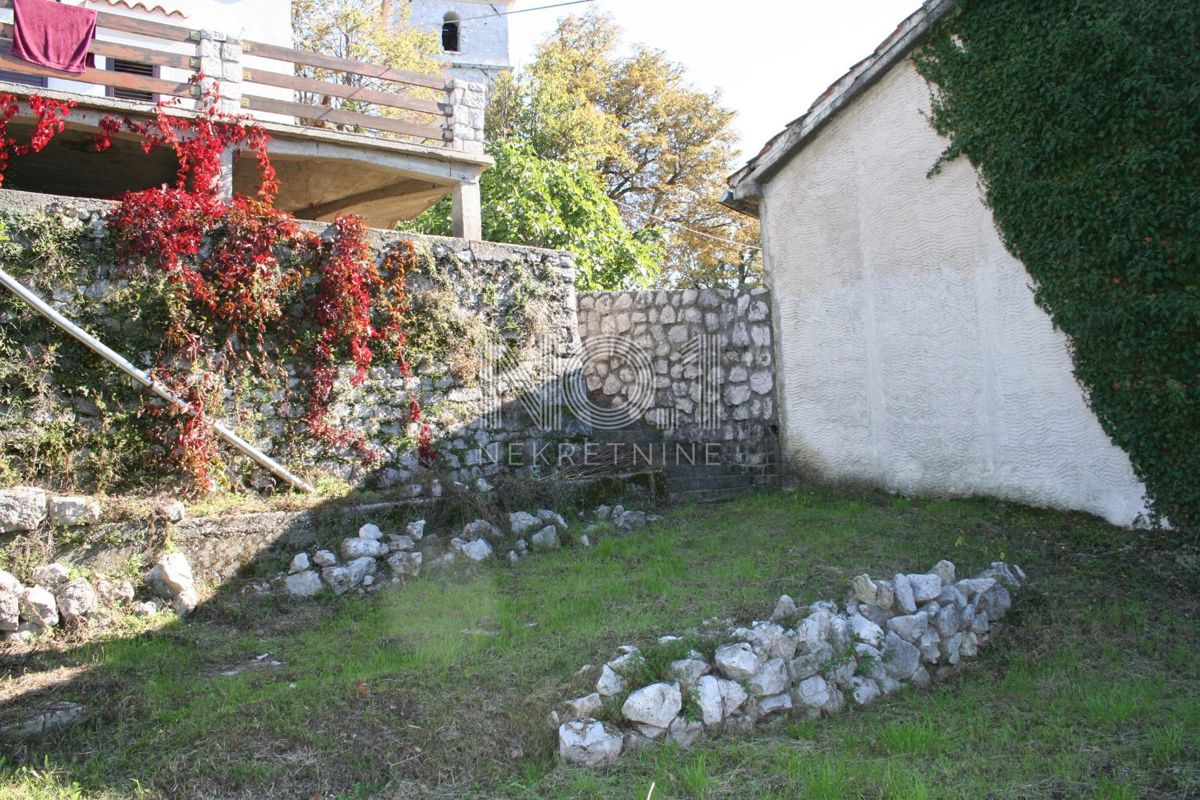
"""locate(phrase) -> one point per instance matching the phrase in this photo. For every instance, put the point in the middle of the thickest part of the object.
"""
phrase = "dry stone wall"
(907, 630)
(711, 366)
(704, 359)
(465, 292)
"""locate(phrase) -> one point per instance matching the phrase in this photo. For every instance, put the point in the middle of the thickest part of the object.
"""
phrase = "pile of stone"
(357, 563)
(25, 508)
(911, 629)
(58, 596)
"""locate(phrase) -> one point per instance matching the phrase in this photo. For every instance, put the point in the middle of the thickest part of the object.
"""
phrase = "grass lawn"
(441, 688)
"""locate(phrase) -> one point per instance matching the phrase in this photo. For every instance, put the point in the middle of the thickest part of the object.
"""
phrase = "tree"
(544, 203)
(661, 146)
(362, 30)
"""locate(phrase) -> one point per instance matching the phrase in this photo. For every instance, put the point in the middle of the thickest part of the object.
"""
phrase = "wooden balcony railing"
(284, 84)
(354, 85)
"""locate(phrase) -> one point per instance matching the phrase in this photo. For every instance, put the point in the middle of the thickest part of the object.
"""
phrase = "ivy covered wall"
(71, 422)
(1083, 122)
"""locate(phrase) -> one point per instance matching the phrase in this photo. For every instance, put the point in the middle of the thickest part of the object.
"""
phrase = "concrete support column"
(466, 214)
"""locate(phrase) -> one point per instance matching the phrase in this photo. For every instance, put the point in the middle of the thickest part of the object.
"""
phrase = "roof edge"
(745, 185)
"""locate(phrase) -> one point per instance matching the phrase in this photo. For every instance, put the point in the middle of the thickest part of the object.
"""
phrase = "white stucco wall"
(483, 35)
(912, 354)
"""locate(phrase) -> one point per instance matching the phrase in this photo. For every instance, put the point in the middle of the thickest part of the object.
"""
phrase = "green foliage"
(660, 146)
(66, 421)
(1082, 121)
(529, 200)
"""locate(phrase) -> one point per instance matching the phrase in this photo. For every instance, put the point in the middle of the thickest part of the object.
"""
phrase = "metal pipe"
(121, 363)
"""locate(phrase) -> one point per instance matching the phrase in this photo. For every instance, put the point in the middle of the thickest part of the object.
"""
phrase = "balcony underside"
(323, 172)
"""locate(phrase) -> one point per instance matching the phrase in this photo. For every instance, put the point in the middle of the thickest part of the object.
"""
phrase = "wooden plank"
(98, 77)
(361, 93)
(128, 52)
(278, 53)
(336, 115)
(142, 27)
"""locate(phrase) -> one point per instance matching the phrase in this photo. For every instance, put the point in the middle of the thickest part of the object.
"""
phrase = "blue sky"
(770, 58)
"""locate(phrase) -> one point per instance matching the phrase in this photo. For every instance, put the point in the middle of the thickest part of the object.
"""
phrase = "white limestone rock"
(813, 692)
(337, 578)
(885, 595)
(39, 607)
(900, 658)
(76, 600)
(405, 564)
(864, 589)
(475, 549)
(924, 587)
(545, 539)
(769, 640)
(909, 627)
(945, 571)
(685, 732)
(400, 542)
(305, 583)
(718, 698)
(415, 529)
(549, 517)
(171, 576)
(22, 508)
(10, 609)
(51, 577)
(688, 670)
(173, 511)
(904, 594)
(947, 620)
(656, 704)
(588, 743)
(775, 703)
(73, 510)
(361, 568)
(737, 661)
(785, 609)
(581, 707)
(609, 683)
(522, 522)
(866, 631)
(9, 582)
(324, 558)
(358, 547)
(480, 529)
(186, 601)
(299, 563)
(863, 690)
(771, 678)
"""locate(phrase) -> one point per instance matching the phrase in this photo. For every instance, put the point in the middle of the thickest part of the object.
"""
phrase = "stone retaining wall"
(706, 360)
(464, 292)
(708, 356)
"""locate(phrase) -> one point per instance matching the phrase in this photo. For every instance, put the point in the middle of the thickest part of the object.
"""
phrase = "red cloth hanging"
(53, 35)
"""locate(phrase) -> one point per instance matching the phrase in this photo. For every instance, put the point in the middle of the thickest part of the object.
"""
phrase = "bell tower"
(473, 34)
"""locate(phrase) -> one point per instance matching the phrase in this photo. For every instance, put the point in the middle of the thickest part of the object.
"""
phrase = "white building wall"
(912, 354)
(483, 43)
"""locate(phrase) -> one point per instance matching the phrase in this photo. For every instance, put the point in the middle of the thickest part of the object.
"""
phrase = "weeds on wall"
(1082, 120)
(233, 291)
